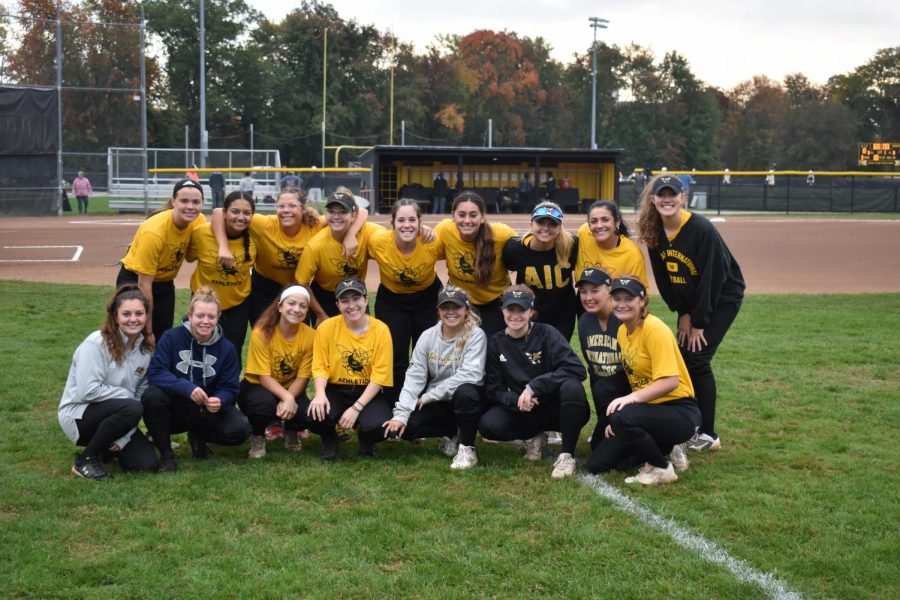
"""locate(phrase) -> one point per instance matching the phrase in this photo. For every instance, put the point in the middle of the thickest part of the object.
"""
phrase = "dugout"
(582, 175)
(29, 130)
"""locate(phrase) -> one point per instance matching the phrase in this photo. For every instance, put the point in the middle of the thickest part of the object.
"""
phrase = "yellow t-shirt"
(348, 359)
(279, 358)
(158, 247)
(232, 284)
(278, 254)
(624, 259)
(324, 260)
(404, 274)
(651, 353)
(460, 257)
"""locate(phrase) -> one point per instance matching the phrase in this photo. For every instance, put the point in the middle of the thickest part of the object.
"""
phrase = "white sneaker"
(465, 458)
(650, 475)
(564, 466)
(534, 447)
(678, 458)
(554, 438)
(449, 446)
(703, 441)
(257, 446)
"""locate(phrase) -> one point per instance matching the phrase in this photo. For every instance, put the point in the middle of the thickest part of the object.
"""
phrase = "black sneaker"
(329, 449)
(199, 447)
(168, 464)
(366, 448)
(90, 467)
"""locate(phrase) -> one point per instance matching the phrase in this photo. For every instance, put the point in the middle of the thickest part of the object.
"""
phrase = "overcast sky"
(725, 41)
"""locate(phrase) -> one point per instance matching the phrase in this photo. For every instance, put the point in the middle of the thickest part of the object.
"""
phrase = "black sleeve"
(511, 255)
(564, 364)
(661, 275)
(713, 271)
(495, 386)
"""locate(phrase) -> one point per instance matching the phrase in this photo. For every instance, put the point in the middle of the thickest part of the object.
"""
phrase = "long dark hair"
(613, 208)
(112, 341)
(484, 238)
(238, 195)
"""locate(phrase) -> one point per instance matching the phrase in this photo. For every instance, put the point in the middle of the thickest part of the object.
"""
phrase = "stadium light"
(596, 23)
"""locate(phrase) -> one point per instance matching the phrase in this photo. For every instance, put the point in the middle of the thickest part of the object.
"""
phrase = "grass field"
(805, 488)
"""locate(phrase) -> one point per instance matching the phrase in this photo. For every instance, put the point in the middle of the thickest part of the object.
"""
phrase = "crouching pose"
(101, 403)
(660, 412)
(442, 393)
(352, 362)
(533, 382)
(194, 384)
(279, 365)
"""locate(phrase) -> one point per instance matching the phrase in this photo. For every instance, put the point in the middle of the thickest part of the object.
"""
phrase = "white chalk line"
(74, 258)
(708, 550)
(129, 223)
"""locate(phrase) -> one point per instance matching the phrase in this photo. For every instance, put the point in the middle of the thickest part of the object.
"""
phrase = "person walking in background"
(291, 180)
(247, 185)
(699, 279)
(101, 404)
(314, 184)
(439, 195)
(217, 186)
(81, 189)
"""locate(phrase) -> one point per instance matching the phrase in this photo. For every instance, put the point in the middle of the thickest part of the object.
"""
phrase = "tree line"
(270, 74)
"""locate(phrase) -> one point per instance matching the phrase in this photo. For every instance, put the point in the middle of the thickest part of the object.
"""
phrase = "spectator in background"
(526, 193)
(217, 185)
(439, 195)
(551, 185)
(726, 178)
(192, 174)
(81, 189)
(291, 180)
(247, 185)
(770, 178)
(315, 182)
(810, 178)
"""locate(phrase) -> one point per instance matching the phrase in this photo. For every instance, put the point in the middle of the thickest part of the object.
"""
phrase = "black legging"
(566, 412)
(234, 325)
(262, 292)
(369, 421)
(165, 414)
(645, 433)
(259, 405)
(603, 391)
(491, 317)
(407, 316)
(699, 365)
(163, 301)
(442, 419)
(102, 423)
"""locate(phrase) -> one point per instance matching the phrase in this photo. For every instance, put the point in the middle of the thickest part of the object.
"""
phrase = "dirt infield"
(777, 255)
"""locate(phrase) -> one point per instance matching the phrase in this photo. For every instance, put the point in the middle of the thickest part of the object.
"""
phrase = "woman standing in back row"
(699, 279)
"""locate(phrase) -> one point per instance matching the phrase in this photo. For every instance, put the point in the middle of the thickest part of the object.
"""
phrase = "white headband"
(294, 289)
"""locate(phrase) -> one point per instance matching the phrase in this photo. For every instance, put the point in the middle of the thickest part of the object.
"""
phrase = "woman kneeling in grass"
(660, 413)
(441, 392)
(101, 403)
(533, 379)
(279, 365)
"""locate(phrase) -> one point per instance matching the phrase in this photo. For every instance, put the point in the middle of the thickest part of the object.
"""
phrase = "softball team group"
(473, 356)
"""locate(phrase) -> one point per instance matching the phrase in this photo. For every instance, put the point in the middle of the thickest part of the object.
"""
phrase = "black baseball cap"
(667, 181)
(186, 183)
(595, 276)
(453, 296)
(347, 201)
(630, 285)
(350, 285)
(523, 299)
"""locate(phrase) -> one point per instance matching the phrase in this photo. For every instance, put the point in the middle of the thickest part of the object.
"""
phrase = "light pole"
(204, 139)
(596, 23)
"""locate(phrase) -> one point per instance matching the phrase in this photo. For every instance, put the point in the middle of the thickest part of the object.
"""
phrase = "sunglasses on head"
(547, 211)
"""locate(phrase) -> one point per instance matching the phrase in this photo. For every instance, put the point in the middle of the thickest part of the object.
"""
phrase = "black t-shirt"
(600, 348)
(554, 296)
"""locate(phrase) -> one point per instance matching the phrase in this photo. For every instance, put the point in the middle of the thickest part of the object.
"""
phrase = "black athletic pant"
(102, 423)
(645, 433)
(234, 325)
(566, 412)
(165, 414)
(699, 364)
(163, 301)
(604, 391)
(259, 405)
(369, 421)
(326, 299)
(491, 317)
(439, 419)
(262, 292)
(407, 316)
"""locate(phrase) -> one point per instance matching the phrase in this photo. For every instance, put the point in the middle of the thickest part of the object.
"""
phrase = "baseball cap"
(595, 276)
(523, 299)
(548, 212)
(454, 296)
(186, 183)
(347, 201)
(350, 285)
(667, 181)
(632, 286)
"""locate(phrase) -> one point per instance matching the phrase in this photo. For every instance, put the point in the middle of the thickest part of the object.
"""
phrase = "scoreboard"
(879, 153)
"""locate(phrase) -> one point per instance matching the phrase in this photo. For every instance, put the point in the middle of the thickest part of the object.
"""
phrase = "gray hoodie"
(94, 377)
(436, 363)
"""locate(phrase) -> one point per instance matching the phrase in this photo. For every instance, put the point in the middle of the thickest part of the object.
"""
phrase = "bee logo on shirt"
(464, 262)
(345, 268)
(354, 361)
(408, 276)
(140, 371)
(285, 366)
(288, 257)
(627, 362)
(534, 357)
(234, 270)
(176, 257)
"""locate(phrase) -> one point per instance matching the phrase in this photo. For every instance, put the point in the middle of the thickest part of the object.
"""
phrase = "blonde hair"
(564, 240)
(472, 320)
(205, 294)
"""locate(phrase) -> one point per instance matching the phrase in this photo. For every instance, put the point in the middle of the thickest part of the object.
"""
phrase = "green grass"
(805, 487)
